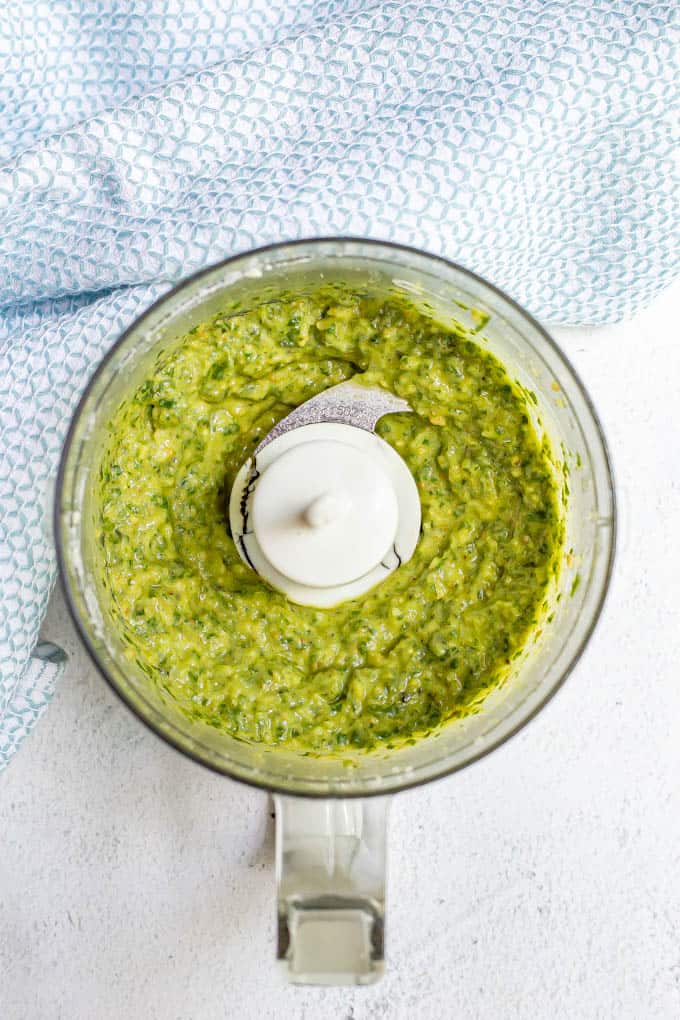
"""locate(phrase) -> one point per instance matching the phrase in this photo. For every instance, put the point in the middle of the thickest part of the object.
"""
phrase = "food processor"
(331, 811)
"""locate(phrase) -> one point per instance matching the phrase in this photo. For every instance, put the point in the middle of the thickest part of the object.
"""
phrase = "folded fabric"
(530, 140)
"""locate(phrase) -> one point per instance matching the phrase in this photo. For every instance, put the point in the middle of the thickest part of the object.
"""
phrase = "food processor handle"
(330, 873)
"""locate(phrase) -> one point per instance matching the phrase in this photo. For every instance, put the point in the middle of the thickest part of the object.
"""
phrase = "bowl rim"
(388, 787)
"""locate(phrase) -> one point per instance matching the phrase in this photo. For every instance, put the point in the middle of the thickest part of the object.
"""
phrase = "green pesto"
(423, 647)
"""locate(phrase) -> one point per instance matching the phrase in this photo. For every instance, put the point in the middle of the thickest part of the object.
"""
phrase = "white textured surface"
(542, 882)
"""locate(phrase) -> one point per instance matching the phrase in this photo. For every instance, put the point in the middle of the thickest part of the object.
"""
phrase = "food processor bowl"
(331, 846)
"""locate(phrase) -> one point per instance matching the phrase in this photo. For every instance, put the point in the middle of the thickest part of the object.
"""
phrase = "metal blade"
(348, 403)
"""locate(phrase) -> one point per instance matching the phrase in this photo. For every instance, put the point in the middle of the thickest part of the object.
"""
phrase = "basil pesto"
(424, 646)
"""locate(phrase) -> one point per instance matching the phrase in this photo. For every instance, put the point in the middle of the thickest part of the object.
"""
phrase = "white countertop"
(542, 882)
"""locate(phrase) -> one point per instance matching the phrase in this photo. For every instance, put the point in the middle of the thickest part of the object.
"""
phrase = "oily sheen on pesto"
(423, 647)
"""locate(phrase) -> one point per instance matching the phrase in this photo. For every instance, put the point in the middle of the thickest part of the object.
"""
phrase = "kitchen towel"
(531, 140)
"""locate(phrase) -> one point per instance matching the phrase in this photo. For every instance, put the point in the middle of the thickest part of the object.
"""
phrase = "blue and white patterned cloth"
(532, 140)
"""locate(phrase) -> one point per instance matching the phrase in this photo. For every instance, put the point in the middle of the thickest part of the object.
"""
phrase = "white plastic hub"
(324, 512)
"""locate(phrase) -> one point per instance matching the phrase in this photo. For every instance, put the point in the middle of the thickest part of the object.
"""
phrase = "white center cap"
(325, 513)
